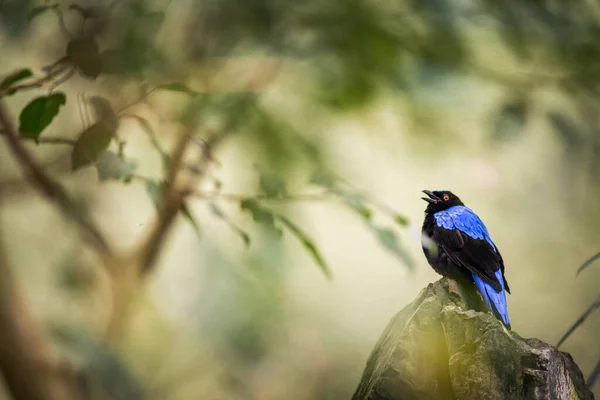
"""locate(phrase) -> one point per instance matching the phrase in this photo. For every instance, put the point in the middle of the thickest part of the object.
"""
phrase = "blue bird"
(457, 244)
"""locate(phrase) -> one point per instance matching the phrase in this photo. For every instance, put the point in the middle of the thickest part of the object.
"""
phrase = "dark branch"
(26, 361)
(580, 320)
(57, 140)
(61, 22)
(172, 200)
(47, 140)
(53, 74)
(594, 375)
(48, 187)
(588, 263)
(174, 195)
(235, 197)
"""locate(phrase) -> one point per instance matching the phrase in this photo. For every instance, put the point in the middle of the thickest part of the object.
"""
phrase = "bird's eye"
(446, 197)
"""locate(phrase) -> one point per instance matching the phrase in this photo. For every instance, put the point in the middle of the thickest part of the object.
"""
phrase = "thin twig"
(48, 187)
(39, 82)
(57, 140)
(595, 305)
(62, 80)
(588, 263)
(236, 197)
(141, 178)
(139, 99)
(47, 140)
(61, 22)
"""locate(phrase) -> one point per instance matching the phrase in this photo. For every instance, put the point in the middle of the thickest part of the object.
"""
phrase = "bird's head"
(440, 200)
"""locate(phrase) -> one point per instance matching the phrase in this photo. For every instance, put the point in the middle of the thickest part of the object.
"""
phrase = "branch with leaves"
(23, 79)
(49, 188)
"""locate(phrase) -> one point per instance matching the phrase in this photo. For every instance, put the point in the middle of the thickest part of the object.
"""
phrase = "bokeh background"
(496, 101)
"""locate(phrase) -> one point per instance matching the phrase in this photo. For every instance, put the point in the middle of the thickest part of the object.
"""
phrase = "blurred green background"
(496, 101)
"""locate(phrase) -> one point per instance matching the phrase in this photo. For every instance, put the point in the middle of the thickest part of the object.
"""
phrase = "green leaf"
(103, 110)
(324, 178)
(39, 113)
(272, 185)
(308, 244)
(219, 213)
(155, 192)
(217, 183)
(111, 166)
(511, 120)
(113, 61)
(74, 278)
(401, 220)
(39, 10)
(104, 366)
(356, 202)
(177, 87)
(185, 211)
(84, 53)
(260, 214)
(388, 239)
(91, 143)
(145, 124)
(14, 78)
(566, 129)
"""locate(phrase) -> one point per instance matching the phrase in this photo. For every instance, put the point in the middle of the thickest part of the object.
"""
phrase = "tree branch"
(172, 200)
(49, 188)
(133, 270)
(60, 67)
(26, 363)
(47, 140)
(236, 197)
(61, 22)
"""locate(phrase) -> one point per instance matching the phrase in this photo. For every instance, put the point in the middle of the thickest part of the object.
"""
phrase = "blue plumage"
(465, 249)
(491, 296)
(466, 221)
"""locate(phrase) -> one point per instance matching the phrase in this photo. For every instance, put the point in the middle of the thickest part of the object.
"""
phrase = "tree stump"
(438, 348)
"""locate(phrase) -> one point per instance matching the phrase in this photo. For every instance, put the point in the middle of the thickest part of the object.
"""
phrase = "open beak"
(432, 199)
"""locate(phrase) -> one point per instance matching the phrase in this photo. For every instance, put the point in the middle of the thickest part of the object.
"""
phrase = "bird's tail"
(496, 301)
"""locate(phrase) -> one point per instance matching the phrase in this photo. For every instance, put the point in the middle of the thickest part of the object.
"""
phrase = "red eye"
(446, 197)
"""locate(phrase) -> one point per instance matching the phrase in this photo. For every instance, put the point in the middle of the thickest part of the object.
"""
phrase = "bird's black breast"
(456, 254)
(437, 255)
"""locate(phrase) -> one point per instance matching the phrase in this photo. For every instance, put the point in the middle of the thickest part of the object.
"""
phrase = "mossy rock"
(438, 347)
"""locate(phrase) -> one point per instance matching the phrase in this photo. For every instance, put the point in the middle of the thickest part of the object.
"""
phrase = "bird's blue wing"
(466, 240)
(465, 220)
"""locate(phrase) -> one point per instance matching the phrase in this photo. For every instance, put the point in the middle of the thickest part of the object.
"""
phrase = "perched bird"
(457, 244)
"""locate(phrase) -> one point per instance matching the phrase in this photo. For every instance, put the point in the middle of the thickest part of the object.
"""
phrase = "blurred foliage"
(343, 55)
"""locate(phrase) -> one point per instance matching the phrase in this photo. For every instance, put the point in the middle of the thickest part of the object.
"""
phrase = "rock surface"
(439, 348)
